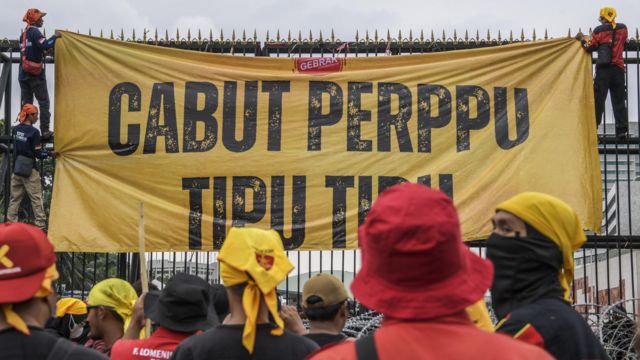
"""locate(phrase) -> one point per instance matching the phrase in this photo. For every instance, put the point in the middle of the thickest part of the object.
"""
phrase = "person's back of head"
(182, 305)
(27, 270)
(325, 302)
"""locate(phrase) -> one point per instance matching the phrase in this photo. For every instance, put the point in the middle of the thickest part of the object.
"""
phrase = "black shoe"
(46, 135)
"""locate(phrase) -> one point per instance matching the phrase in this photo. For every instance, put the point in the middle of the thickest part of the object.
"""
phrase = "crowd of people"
(416, 272)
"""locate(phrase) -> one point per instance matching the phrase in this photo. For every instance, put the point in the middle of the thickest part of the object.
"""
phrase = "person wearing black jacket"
(33, 81)
(610, 37)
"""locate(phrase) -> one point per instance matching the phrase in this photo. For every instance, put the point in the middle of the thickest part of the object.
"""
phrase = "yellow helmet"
(608, 13)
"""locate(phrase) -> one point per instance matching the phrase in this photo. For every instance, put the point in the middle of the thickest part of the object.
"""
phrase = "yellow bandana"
(556, 220)
(479, 314)
(70, 306)
(609, 14)
(116, 294)
(256, 258)
(45, 290)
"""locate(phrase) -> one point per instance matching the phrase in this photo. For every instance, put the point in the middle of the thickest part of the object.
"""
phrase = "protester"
(25, 176)
(70, 321)
(110, 305)
(608, 40)
(531, 248)
(179, 311)
(325, 305)
(27, 297)
(417, 272)
(32, 73)
(252, 264)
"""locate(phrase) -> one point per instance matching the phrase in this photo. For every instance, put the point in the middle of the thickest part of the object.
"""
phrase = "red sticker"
(319, 65)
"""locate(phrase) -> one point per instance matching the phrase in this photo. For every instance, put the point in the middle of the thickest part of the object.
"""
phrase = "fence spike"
(177, 34)
(546, 35)
(499, 36)
(89, 31)
(310, 37)
(166, 35)
(121, 34)
(133, 34)
(444, 37)
(101, 35)
(637, 35)
(233, 35)
(455, 35)
(189, 35)
(534, 34)
(466, 36)
(422, 36)
(255, 36)
(399, 35)
(267, 37)
(321, 39)
(199, 35)
(144, 35)
(410, 36)
(477, 35)
(333, 37)
(289, 37)
(111, 36)
(366, 37)
(300, 36)
(510, 36)
(375, 36)
(569, 33)
(155, 36)
(521, 34)
(432, 37)
(388, 35)
(222, 35)
(357, 37)
(278, 35)
(488, 36)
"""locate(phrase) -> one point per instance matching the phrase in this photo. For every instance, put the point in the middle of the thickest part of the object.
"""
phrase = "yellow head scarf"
(479, 314)
(70, 306)
(609, 14)
(116, 294)
(256, 258)
(556, 220)
(45, 290)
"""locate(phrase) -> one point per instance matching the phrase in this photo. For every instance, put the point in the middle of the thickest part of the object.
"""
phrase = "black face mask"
(525, 270)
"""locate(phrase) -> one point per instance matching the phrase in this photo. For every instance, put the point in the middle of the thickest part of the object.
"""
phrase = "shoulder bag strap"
(366, 348)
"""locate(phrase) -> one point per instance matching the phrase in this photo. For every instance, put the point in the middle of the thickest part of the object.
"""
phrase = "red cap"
(415, 265)
(25, 255)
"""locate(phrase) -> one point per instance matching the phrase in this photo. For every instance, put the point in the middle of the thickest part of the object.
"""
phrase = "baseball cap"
(327, 287)
(25, 255)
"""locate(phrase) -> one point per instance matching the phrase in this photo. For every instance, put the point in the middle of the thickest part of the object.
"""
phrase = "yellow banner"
(305, 145)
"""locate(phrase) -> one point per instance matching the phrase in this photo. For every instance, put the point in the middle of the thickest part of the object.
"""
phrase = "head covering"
(32, 16)
(183, 305)
(256, 258)
(116, 294)
(219, 301)
(557, 221)
(327, 287)
(27, 268)
(27, 109)
(414, 263)
(70, 306)
(479, 314)
(609, 14)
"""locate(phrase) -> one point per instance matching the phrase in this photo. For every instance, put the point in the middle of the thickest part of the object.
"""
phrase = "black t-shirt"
(324, 339)
(225, 342)
(37, 346)
(26, 141)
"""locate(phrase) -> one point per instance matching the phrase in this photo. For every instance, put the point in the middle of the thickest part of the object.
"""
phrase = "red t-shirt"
(159, 345)
(450, 337)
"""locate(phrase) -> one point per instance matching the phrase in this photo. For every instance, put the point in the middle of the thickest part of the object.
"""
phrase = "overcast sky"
(344, 16)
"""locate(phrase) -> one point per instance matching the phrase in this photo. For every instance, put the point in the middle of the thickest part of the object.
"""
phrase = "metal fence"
(606, 268)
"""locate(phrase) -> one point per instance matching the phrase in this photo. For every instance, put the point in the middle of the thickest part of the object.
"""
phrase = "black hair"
(321, 313)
